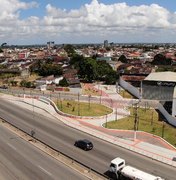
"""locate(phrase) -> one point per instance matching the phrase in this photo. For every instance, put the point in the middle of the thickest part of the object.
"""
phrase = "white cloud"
(92, 22)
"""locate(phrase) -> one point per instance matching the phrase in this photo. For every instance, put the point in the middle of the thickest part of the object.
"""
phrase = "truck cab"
(120, 170)
(116, 165)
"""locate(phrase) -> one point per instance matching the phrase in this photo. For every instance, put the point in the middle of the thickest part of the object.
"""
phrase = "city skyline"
(87, 21)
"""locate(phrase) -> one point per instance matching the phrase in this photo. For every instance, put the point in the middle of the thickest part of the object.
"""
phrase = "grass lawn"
(84, 109)
(126, 94)
(148, 121)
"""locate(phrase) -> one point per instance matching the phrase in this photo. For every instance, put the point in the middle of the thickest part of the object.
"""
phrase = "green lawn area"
(83, 109)
(148, 121)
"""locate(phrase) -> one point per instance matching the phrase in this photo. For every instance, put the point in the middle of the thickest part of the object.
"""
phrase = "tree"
(88, 69)
(123, 59)
(23, 83)
(27, 84)
(103, 68)
(36, 66)
(111, 77)
(50, 69)
(160, 59)
(69, 49)
(13, 83)
(63, 83)
(76, 59)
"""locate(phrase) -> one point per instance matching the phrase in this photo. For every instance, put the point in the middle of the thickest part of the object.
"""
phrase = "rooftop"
(162, 76)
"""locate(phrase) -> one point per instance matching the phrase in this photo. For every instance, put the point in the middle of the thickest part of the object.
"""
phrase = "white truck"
(122, 171)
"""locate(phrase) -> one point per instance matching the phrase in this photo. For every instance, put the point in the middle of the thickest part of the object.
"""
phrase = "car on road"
(174, 158)
(84, 144)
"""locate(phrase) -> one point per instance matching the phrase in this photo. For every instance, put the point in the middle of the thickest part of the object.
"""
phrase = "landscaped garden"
(83, 108)
(147, 120)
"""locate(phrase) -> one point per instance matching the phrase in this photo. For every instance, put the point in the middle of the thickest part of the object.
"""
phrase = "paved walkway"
(143, 143)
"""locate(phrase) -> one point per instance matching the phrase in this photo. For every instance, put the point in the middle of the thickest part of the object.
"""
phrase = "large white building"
(161, 86)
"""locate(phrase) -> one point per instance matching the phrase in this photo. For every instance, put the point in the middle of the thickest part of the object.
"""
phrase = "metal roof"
(167, 76)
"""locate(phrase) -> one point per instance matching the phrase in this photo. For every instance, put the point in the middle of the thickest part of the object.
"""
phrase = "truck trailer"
(123, 171)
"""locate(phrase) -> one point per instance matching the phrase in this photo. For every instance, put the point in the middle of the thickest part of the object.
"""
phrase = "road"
(62, 137)
(67, 95)
(21, 160)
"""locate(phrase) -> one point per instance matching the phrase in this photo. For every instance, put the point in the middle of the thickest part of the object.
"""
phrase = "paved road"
(21, 160)
(61, 137)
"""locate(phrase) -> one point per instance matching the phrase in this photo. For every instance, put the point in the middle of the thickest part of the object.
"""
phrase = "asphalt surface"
(21, 160)
(62, 137)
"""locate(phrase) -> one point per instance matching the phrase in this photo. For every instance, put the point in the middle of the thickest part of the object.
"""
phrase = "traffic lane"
(21, 160)
(62, 143)
(62, 138)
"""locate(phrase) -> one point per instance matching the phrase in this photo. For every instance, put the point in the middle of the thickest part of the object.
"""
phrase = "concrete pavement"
(143, 143)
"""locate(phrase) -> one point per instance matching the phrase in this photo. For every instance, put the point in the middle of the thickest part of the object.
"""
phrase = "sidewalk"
(144, 143)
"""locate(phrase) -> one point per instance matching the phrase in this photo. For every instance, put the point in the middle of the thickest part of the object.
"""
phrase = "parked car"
(3, 87)
(84, 144)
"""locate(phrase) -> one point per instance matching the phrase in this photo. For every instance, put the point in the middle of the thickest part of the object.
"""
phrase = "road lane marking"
(14, 148)
(45, 170)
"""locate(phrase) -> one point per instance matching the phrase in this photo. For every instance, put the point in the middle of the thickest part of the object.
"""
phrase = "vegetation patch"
(126, 94)
(147, 120)
(82, 108)
(91, 92)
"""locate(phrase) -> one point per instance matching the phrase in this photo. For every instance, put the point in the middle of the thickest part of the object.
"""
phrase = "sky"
(25, 22)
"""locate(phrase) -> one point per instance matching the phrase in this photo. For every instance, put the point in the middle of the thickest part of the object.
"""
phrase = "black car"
(174, 158)
(84, 144)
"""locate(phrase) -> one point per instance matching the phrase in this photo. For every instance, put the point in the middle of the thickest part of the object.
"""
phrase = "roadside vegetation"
(148, 120)
(82, 108)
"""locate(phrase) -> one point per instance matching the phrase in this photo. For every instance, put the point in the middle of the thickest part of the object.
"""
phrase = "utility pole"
(33, 107)
(100, 95)
(78, 106)
(60, 101)
(135, 119)
(152, 118)
(89, 100)
(116, 115)
(163, 129)
(57, 100)
(50, 95)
